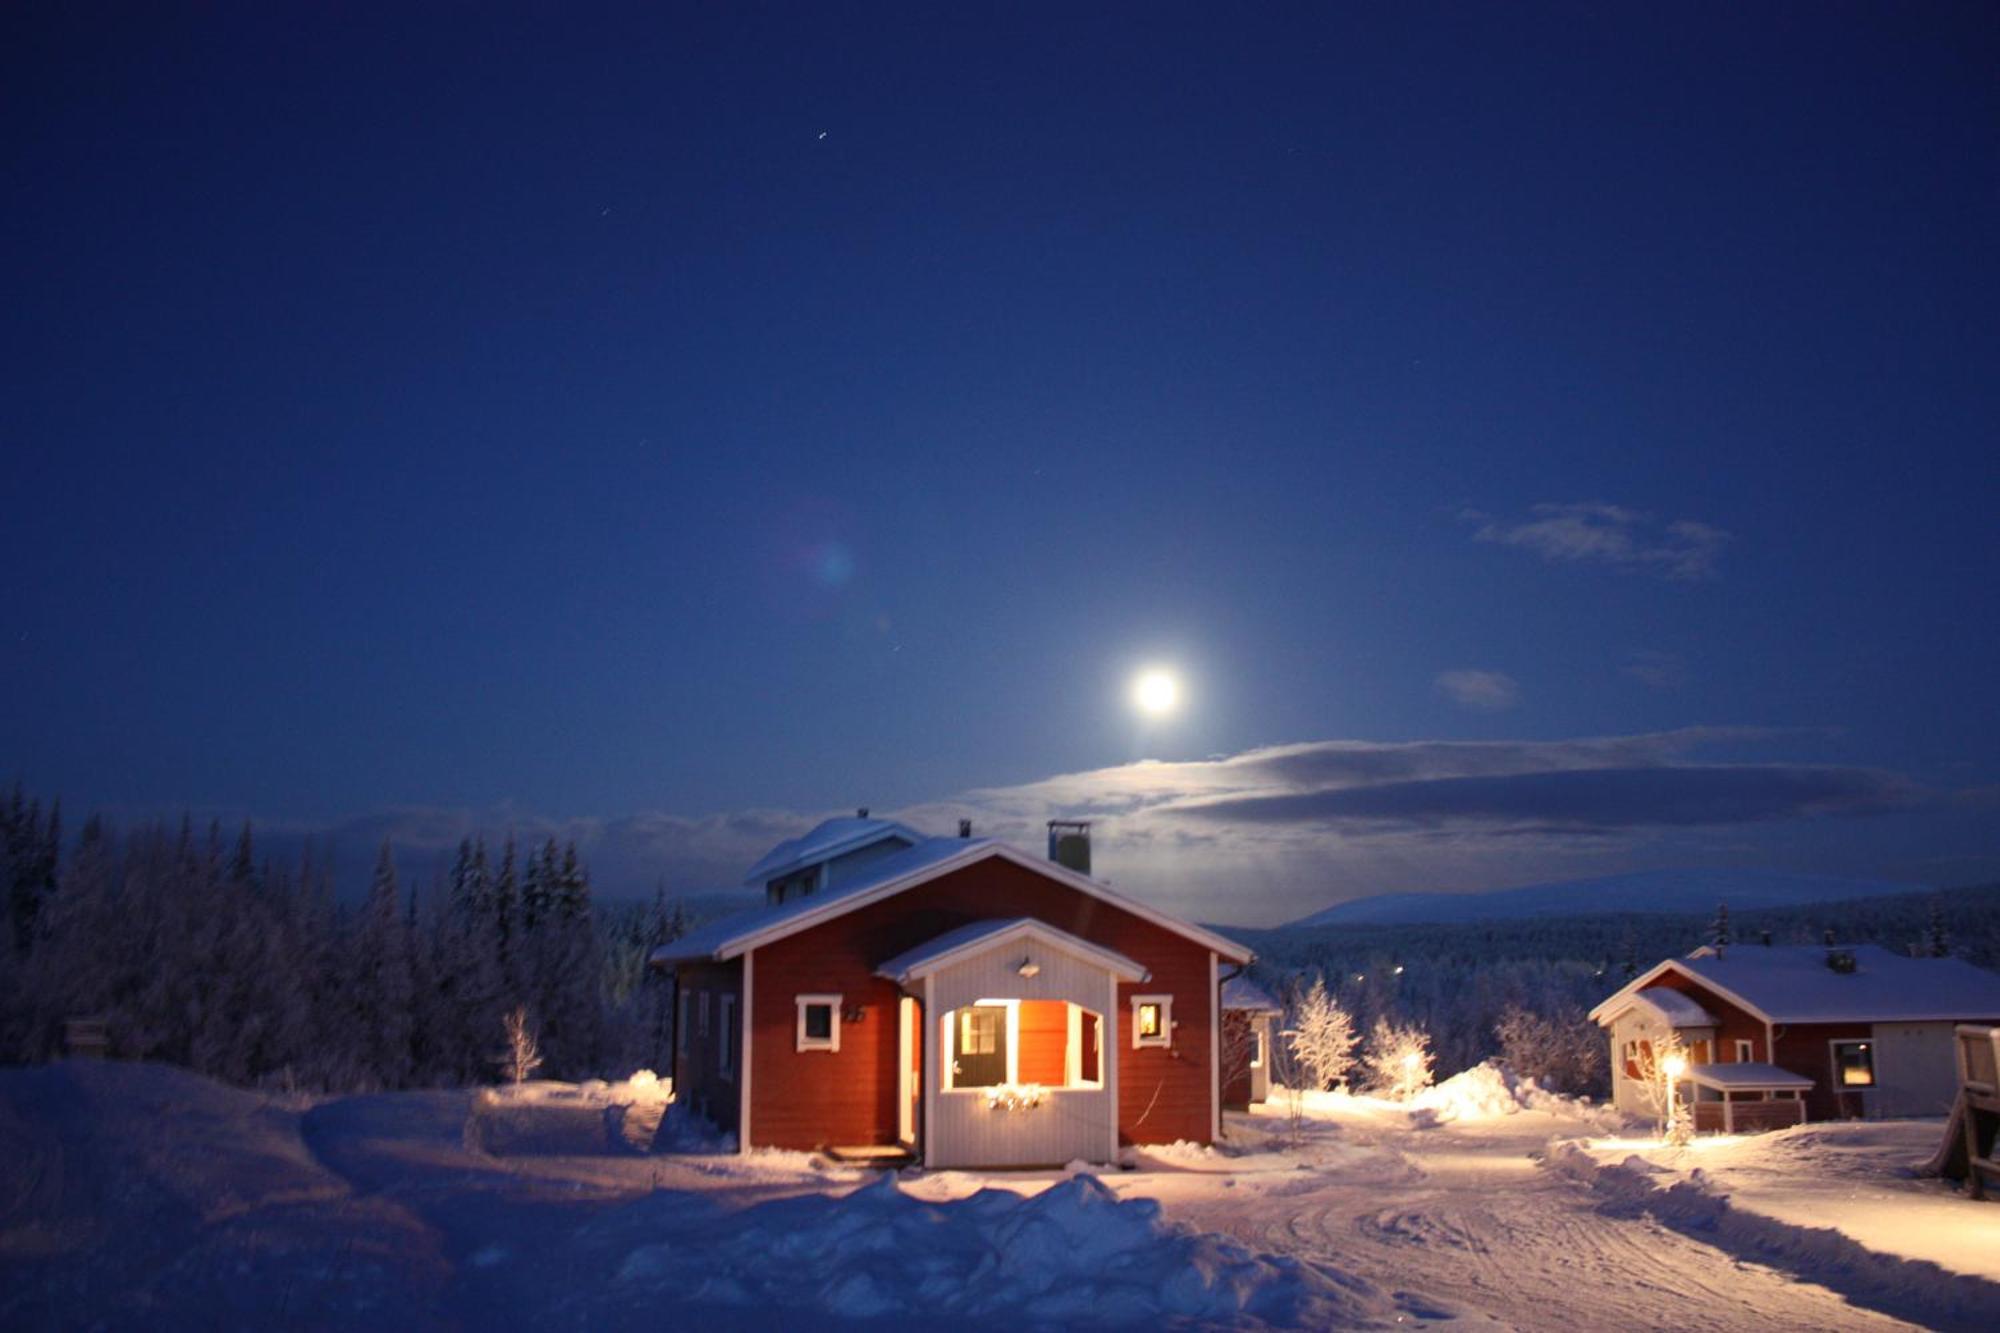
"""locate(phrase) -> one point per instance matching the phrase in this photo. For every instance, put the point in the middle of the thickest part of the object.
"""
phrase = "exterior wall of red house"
(699, 1081)
(1733, 1023)
(813, 1099)
(1803, 1049)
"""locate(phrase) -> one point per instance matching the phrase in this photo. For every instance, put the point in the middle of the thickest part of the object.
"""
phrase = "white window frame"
(725, 1048)
(1073, 1048)
(1164, 1039)
(1833, 1064)
(1257, 1039)
(1746, 1051)
(830, 1042)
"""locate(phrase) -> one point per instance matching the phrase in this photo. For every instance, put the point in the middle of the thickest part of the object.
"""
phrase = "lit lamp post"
(1672, 1068)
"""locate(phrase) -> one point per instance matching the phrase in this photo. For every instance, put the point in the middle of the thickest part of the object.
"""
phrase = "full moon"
(1156, 693)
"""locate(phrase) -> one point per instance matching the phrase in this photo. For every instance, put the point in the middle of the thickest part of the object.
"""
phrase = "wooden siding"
(1746, 1117)
(813, 1099)
(1732, 1022)
(1803, 1049)
(1070, 1123)
(698, 1080)
(1044, 1056)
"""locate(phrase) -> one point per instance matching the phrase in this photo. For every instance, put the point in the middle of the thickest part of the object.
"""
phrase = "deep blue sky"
(541, 416)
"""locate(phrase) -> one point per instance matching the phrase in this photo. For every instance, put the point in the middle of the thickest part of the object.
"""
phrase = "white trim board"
(1214, 1049)
(743, 1054)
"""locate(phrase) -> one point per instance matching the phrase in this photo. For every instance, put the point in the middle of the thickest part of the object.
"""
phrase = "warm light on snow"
(1156, 693)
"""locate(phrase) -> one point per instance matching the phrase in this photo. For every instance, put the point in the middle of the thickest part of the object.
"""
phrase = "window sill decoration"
(1014, 1097)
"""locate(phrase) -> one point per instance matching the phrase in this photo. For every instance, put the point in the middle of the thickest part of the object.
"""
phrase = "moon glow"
(1156, 693)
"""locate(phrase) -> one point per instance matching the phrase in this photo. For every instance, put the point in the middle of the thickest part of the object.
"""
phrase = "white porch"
(1019, 1057)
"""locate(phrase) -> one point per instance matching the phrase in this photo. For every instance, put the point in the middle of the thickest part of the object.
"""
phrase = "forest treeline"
(194, 950)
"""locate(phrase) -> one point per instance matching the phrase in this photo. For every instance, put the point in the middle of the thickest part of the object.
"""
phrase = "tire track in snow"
(1479, 1224)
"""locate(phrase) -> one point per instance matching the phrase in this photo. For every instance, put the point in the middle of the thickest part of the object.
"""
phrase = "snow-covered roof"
(1793, 984)
(830, 838)
(930, 858)
(1243, 993)
(980, 936)
(1748, 1076)
(1673, 1008)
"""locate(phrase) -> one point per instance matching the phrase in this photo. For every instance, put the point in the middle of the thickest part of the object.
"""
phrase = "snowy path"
(1466, 1214)
(142, 1196)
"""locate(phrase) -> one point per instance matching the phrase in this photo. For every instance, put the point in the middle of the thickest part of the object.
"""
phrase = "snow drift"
(1913, 1289)
(1074, 1254)
(1489, 1090)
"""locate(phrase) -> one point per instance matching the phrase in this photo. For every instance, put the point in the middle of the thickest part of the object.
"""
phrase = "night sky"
(1545, 440)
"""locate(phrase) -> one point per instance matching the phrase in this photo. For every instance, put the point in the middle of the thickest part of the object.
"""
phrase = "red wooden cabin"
(1779, 1034)
(953, 997)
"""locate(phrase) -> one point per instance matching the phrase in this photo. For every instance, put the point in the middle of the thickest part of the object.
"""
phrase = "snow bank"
(1913, 1289)
(546, 1118)
(1075, 1254)
(1488, 1091)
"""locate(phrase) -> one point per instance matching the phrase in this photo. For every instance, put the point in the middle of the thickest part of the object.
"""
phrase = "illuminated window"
(1854, 1064)
(819, 1023)
(1152, 1020)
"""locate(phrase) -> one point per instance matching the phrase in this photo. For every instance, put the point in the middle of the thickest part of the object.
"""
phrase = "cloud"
(1584, 800)
(1266, 834)
(1655, 670)
(1628, 540)
(1487, 691)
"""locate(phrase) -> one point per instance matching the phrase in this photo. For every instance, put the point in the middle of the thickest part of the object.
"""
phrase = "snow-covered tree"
(1937, 941)
(1649, 1065)
(1321, 1035)
(1718, 929)
(522, 1055)
(1398, 1059)
(1563, 1051)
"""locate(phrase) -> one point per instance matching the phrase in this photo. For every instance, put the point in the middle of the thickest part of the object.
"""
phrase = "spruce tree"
(380, 965)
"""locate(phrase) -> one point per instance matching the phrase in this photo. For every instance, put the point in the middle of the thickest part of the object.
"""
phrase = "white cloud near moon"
(1272, 833)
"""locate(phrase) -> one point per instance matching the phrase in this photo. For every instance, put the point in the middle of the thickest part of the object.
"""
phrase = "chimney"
(861, 813)
(964, 828)
(1069, 844)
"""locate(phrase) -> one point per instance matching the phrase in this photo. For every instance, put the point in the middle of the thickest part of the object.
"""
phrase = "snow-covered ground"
(134, 1194)
(1846, 1192)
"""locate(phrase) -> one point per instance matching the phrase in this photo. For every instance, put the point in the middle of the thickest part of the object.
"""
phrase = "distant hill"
(1653, 891)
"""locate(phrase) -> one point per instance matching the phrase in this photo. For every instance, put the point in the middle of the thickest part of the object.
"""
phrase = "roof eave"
(977, 851)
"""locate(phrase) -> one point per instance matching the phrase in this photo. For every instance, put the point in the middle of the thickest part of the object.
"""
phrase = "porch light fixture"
(1029, 968)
